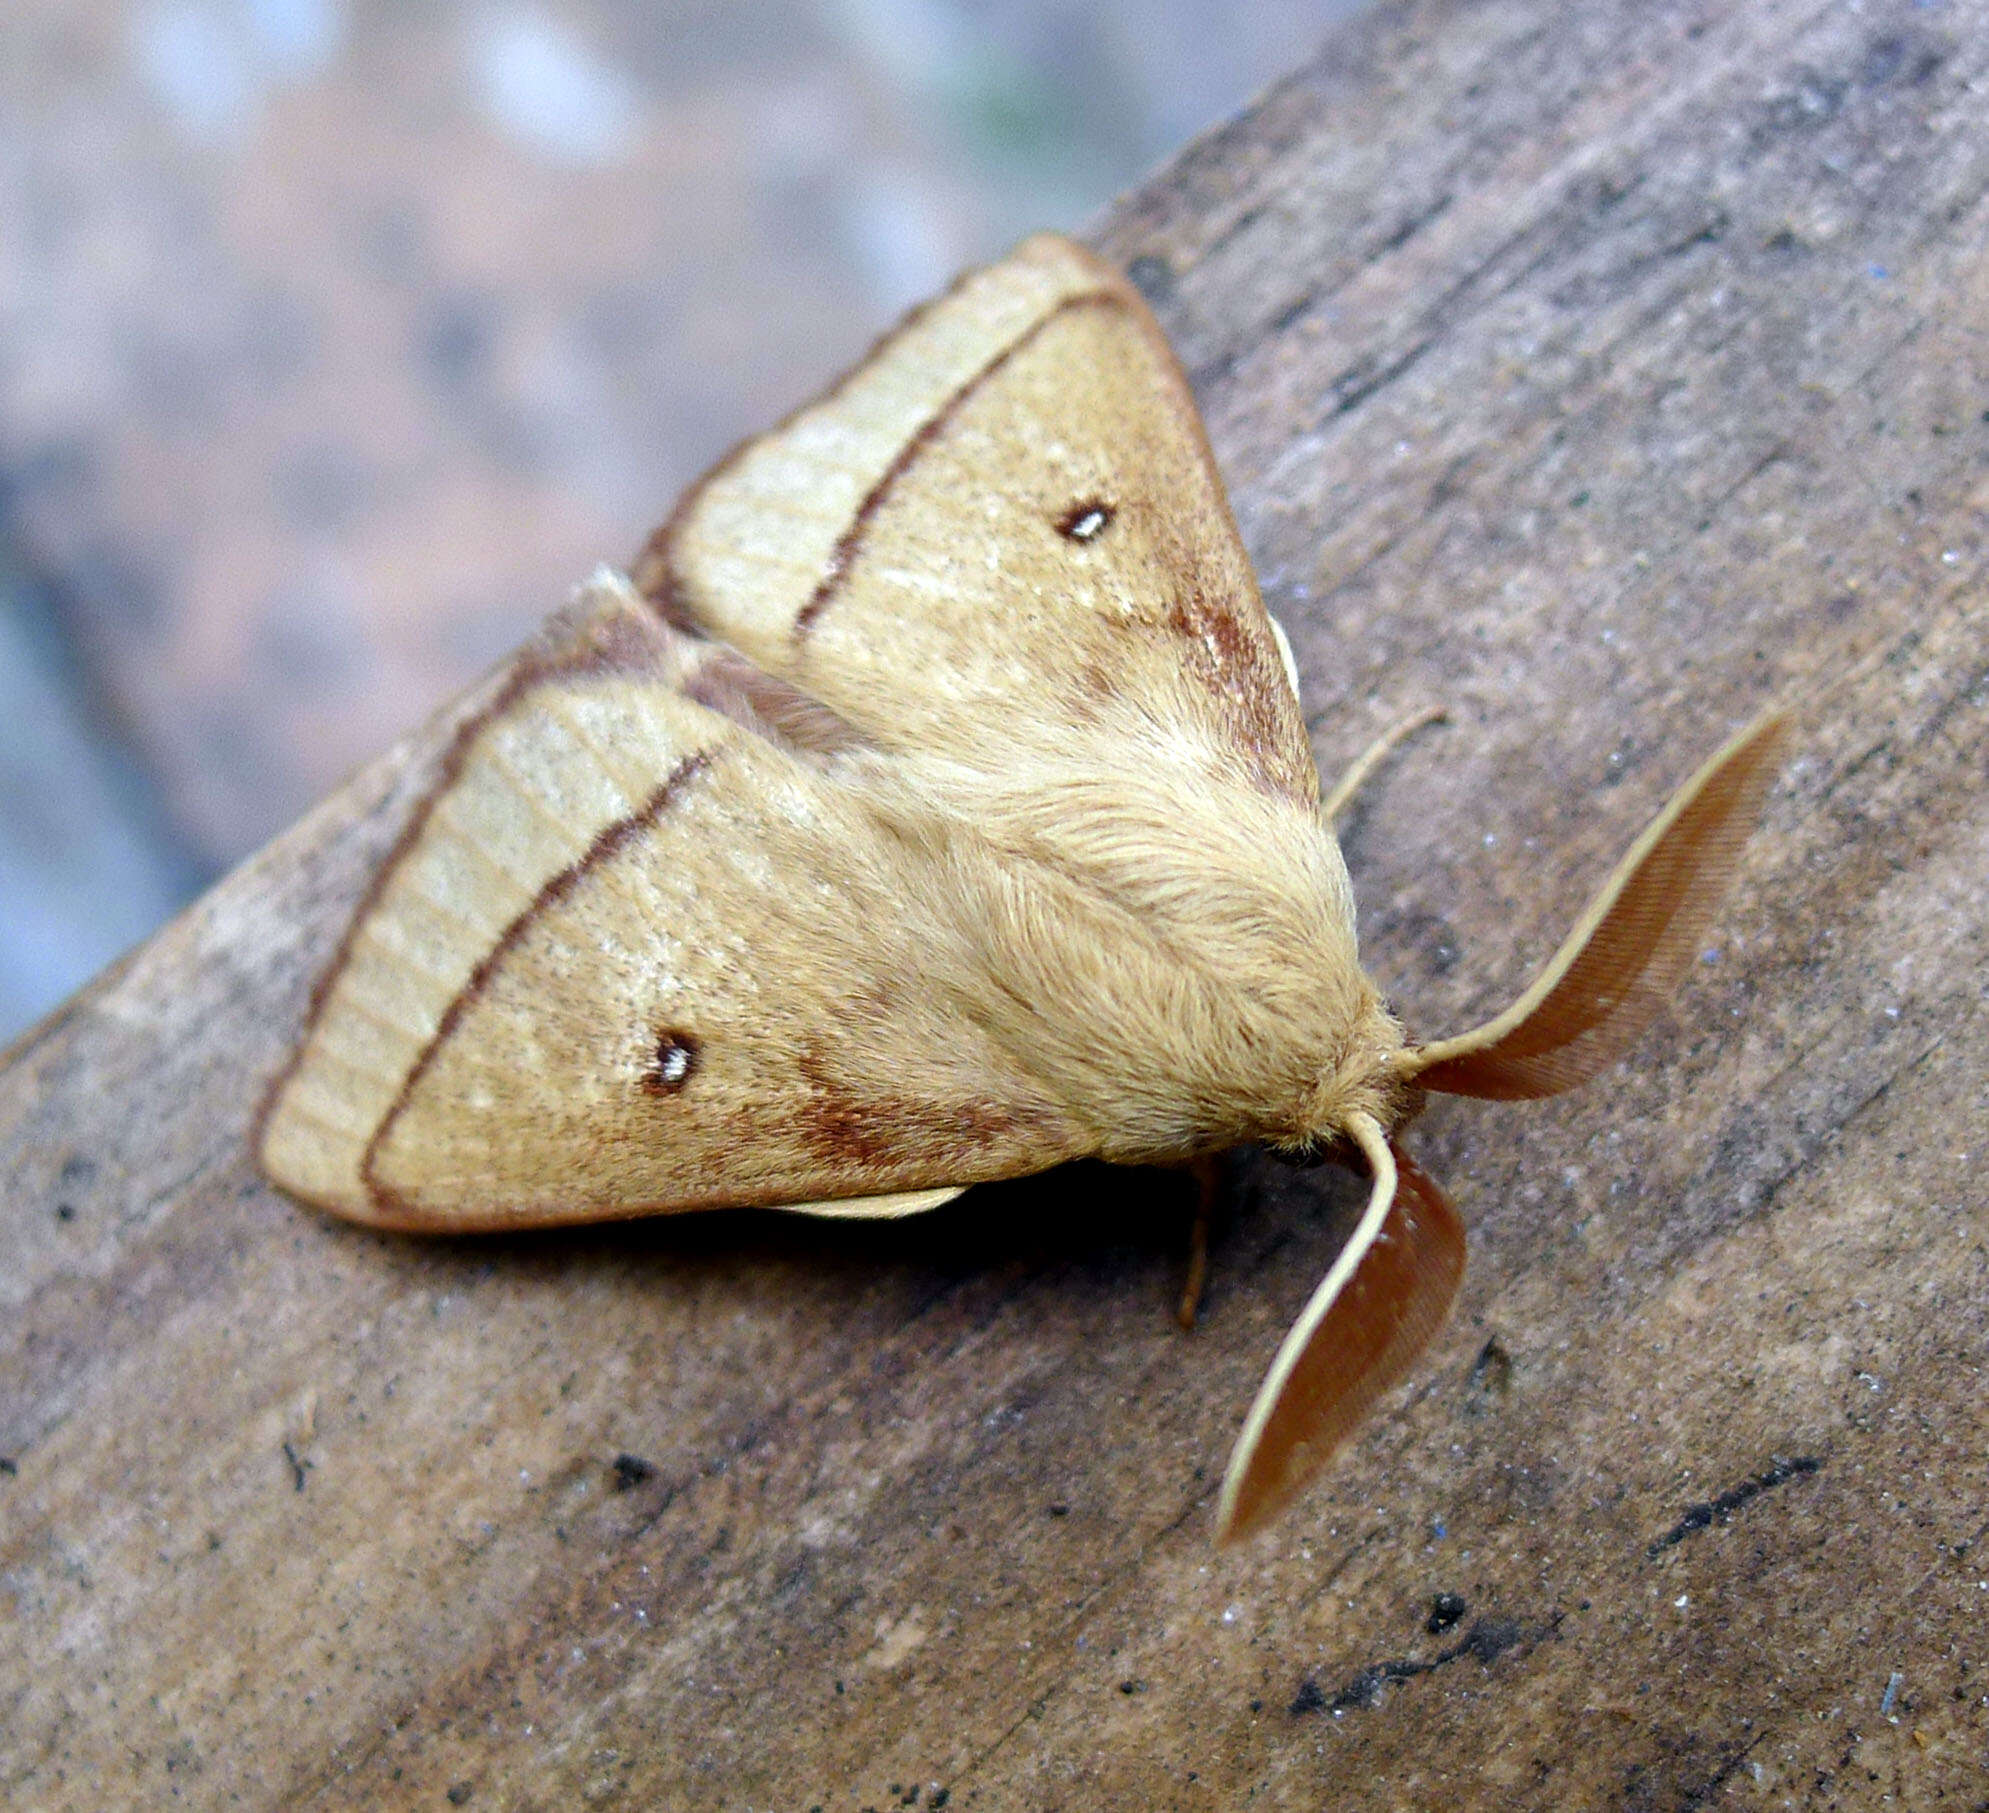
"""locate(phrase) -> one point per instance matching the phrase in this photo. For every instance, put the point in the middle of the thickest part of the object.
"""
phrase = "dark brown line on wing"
(851, 539)
(653, 572)
(598, 647)
(448, 771)
(607, 842)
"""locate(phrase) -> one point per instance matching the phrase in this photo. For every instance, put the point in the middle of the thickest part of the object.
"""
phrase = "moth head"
(1365, 1080)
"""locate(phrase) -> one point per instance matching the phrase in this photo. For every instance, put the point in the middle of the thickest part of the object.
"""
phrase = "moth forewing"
(769, 893)
(1007, 520)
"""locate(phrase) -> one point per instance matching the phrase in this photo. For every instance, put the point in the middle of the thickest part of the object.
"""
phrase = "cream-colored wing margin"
(640, 953)
(1009, 515)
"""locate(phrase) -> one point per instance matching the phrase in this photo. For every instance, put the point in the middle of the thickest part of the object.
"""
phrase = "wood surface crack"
(1098, 1594)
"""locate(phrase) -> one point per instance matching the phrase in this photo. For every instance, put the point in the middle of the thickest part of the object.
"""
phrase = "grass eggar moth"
(931, 805)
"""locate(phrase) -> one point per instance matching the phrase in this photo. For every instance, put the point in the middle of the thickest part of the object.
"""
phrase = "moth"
(932, 804)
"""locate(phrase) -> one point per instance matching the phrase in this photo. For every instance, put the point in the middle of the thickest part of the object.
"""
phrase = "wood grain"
(1602, 372)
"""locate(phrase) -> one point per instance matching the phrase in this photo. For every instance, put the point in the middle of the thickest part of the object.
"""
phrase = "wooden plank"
(1603, 372)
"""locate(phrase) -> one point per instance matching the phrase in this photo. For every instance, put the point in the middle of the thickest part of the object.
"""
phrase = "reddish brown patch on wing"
(1244, 675)
(874, 1130)
(727, 683)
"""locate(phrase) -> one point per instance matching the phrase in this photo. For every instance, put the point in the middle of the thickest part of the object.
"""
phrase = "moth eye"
(1085, 520)
(676, 1059)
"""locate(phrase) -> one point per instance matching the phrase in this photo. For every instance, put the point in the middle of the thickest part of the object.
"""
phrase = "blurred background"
(339, 338)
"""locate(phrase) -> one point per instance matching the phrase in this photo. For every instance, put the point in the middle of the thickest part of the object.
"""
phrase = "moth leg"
(1371, 758)
(1207, 1172)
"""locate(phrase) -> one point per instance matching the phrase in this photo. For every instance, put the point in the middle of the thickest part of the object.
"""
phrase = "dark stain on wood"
(1697, 1517)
